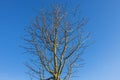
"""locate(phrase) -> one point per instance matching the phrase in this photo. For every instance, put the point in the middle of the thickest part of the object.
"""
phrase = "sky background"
(102, 58)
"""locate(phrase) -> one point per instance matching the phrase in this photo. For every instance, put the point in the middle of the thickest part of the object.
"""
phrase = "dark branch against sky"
(102, 59)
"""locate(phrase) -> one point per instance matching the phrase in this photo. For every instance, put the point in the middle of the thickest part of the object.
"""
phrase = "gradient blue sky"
(102, 59)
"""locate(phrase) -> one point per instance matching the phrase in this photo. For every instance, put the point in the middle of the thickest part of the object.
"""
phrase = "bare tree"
(56, 39)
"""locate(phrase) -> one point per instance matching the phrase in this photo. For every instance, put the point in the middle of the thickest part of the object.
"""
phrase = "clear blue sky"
(102, 59)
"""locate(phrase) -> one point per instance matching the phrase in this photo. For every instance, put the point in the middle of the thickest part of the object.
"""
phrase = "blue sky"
(102, 59)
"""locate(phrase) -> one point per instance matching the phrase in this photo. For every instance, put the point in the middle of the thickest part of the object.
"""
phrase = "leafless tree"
(56, 39)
